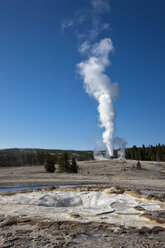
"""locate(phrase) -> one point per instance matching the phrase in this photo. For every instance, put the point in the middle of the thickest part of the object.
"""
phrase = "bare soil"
(109, 173)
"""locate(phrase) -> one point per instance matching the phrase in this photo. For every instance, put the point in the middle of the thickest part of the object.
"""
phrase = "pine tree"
(138, 165)
(49, 164)
(63, 163)
(159, 153)
(140, 156)
(73, 166)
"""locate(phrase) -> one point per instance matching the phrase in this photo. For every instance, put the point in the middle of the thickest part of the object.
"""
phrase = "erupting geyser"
(99, 85)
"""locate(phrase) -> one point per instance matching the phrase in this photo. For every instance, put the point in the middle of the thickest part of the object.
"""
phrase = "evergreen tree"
(49, 164)
(140, 155)
(40, 157)
(138, 165)
(115, 153)
(128, 153)
(73, 166)
(63, 163)
(159, 153)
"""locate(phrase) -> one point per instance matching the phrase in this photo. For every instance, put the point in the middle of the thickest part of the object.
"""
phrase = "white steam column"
(99, 85)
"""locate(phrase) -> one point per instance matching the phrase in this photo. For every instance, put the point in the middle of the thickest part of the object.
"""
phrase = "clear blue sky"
(42, 100)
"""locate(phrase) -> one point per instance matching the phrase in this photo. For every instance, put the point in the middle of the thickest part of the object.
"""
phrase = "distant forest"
(151, 153)
(23, 157)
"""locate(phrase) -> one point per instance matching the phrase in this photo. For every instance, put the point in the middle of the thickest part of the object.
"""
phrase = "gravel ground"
(26, 232)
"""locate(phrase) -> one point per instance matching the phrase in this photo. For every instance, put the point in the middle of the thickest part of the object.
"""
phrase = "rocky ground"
(25, 231)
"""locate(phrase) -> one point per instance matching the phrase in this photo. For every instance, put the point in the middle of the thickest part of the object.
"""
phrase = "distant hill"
(22, 157)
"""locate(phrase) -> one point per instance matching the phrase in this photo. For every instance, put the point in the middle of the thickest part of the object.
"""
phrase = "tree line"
(24, 157)
(150, 153)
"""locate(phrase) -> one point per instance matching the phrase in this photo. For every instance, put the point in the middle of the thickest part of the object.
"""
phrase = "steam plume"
(121, 143)
(98, 151)
(92, 69)
(99, 85)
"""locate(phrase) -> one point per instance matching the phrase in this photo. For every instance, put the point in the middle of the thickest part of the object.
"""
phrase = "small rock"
(8, 222)
(113, 190)
(75, 216)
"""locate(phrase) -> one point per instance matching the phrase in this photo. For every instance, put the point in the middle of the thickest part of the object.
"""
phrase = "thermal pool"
(86, 206)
